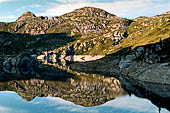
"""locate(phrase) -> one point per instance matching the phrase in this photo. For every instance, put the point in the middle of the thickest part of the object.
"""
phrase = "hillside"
(93, 26)
(88, 30)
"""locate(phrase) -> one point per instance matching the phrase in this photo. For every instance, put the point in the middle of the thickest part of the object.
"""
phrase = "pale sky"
(10, 10)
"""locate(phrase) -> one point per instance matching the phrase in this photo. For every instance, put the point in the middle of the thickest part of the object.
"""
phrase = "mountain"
(90, 30)
(133, 49)
(90, 24)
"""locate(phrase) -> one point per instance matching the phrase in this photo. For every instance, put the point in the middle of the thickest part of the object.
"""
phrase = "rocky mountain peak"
(27, 15)
(90, 12)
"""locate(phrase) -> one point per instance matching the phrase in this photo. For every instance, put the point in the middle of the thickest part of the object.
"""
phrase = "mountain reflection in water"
(81, 90)
(124, 104)
(50, 89)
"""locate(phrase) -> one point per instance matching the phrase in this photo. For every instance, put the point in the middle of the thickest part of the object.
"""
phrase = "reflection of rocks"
(1, 66)
(82, 90)
(106, 66)
(65, 57)
(158, 94)
(1, 63)
(34, 71)
(97, 90)
(23, 64)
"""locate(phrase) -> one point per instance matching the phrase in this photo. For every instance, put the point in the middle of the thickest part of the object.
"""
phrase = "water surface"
(55, 89)
(13, 103)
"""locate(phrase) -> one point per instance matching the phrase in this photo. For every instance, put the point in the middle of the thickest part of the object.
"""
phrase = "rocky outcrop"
(149, 63)
(83, 47)
(154, 73)
(151, 53)
(90, 12)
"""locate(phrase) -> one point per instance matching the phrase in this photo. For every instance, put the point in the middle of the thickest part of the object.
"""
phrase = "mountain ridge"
(87, 9)
(95, 30)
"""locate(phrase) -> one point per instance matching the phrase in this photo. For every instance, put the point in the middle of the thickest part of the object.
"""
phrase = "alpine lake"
(53, 88)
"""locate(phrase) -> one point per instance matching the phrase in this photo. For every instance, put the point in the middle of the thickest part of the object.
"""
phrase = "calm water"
(13, 103)
(48, 89)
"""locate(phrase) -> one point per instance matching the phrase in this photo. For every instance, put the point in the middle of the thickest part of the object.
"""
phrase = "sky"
(10, 10)
(11, 102)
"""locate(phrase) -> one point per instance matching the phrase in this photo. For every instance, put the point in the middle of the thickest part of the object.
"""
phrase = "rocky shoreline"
(148, 63)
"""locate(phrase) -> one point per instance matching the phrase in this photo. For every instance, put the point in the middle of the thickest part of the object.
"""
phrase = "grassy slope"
(145, 31)
(142, 31)
(155, 29)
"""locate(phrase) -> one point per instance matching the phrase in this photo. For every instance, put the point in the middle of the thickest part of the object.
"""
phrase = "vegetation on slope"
(92, 31)
(15, 43)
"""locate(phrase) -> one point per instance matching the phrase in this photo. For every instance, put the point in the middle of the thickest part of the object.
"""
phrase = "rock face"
(154, 73)
(151, 53)
(87, 20)
(149, 63)
(108, 34)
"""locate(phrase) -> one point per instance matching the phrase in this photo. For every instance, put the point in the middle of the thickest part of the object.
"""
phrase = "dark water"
(48, 89)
